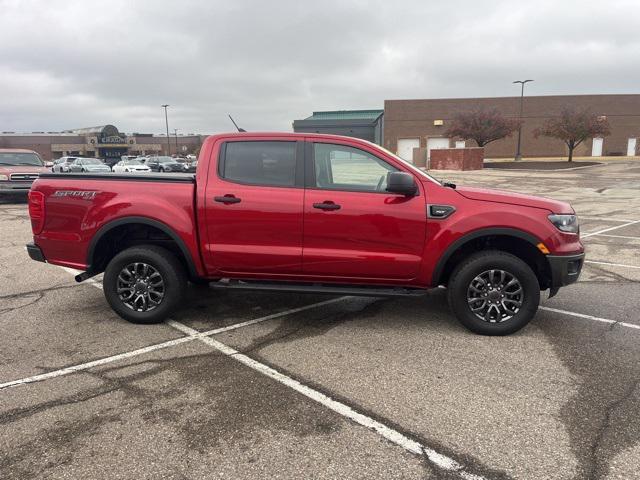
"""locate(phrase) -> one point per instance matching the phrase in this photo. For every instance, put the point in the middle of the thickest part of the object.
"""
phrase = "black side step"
(355, 290)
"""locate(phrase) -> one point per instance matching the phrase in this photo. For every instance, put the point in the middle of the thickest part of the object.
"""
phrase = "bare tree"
(573, 127)
(483, 126)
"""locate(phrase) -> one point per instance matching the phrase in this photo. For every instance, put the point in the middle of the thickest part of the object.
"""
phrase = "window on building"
(260, 163)
(339, 167)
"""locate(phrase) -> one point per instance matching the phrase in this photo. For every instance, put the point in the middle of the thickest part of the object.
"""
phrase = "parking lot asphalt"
(262, 385)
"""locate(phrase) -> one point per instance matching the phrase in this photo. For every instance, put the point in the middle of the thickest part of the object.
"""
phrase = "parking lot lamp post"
(521, 82)
(175, 132)
(166, 121)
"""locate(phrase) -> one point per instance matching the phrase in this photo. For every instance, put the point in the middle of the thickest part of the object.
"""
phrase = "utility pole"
(521, 82)
(175, 132)
(166, 120)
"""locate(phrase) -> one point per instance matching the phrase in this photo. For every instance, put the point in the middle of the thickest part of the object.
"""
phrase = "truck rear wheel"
(144, 284)
(493, 293)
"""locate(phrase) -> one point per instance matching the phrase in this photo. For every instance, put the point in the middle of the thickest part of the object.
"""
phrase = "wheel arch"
(96, 264)
(512, 240)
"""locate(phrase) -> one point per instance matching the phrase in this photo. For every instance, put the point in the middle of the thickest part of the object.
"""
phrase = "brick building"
(422, 123)
(100, 142)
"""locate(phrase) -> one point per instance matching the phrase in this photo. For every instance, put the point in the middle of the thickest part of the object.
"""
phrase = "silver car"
(88, 165)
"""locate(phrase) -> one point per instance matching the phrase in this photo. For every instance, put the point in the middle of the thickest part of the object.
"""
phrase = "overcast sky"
(67, 64)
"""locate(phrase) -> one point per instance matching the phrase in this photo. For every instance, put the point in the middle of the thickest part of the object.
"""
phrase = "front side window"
(260, 163)
(338, 167)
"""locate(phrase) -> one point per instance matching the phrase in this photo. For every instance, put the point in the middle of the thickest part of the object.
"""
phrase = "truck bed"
(142, 177)
(78, 205)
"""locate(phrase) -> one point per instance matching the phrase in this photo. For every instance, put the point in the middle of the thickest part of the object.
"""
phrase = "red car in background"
(18, 169)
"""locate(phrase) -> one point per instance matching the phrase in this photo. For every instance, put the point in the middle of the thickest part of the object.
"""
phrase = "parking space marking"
(596, 262)
(611, 228)
(442, 461)
(606, 219)
(590, 317)
(158, 346)
(95, 363)
(618, 236)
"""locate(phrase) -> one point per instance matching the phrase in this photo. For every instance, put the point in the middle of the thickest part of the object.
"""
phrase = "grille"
(23, 176)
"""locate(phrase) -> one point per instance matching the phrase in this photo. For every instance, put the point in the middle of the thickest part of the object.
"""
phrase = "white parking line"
(610, 229)
(590, 317)
(605, 219)
(158, 346)
(611, 264)
(618, 236)
(442, 461)
(95, 363)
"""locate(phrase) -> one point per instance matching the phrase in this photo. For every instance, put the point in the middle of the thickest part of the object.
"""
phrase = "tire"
(498, 304)
(161, 170)
(161, 261)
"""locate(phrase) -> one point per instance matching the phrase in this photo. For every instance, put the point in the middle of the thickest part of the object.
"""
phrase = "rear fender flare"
(193, 273)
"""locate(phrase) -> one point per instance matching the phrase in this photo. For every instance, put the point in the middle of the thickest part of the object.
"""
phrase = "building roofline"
(581, 95)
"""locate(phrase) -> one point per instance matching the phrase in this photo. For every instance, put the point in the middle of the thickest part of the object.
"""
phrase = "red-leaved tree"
(483, 126)
(574, 126)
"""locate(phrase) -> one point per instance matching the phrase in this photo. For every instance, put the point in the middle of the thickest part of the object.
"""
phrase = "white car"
(130, 166)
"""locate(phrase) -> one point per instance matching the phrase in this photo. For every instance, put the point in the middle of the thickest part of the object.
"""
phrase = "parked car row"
(19, 167)
(127, 164)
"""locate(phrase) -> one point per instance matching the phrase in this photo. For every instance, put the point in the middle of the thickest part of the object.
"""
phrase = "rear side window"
(260, 163)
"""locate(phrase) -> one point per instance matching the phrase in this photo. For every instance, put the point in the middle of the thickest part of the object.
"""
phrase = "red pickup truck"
(306, 213)
(18, 169)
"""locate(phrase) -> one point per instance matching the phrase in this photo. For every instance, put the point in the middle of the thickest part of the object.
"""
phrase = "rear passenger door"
(254, 208)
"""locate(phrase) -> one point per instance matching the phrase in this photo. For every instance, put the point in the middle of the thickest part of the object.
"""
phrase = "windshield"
(91, 161)
(133, 162)
(20, 159)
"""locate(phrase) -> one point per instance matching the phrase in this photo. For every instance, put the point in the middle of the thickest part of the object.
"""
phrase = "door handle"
(227, 199)
(327, 206)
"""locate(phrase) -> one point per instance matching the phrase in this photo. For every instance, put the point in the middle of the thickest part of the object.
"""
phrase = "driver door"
(353, 228)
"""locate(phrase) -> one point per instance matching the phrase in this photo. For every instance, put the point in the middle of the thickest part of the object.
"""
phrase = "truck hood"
(9, 169)
(513, 198)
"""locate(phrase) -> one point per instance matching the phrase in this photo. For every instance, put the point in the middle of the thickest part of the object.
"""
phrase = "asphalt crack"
(597, 469)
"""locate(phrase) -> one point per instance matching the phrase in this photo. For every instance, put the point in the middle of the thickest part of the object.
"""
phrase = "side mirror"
(402, 183)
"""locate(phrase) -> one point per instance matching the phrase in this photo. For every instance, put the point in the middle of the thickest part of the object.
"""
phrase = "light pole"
(166, 120)
(521, 82)
(175, 132)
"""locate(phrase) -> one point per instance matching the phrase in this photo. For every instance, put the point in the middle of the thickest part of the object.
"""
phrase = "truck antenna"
(235, 124)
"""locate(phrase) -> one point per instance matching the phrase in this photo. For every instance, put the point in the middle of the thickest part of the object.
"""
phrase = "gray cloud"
(66, 64)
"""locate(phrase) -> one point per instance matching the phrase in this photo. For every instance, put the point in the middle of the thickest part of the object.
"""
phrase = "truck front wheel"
(493, 293)
(144, 284)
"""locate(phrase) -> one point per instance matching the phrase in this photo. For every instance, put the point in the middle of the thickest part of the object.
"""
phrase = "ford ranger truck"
(306, 213)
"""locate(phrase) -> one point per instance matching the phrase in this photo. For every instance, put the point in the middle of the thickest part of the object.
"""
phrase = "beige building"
(100, 142)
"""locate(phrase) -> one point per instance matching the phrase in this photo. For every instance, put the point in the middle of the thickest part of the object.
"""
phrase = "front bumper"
(35, 253)
(14, 187)
(565, 269)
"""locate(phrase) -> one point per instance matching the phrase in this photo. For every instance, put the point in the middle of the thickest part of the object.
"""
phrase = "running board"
(354, 290)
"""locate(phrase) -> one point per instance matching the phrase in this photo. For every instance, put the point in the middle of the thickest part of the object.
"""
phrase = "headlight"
(565, 223)
(4, 177)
